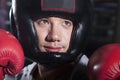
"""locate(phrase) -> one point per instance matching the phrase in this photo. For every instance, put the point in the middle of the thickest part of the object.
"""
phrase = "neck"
(54, 73)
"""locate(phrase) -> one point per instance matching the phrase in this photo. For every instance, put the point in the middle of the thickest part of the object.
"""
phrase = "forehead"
(55, 19)
(58, 5)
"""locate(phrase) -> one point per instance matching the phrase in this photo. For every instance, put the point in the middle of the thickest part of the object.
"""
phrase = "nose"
(54, 34)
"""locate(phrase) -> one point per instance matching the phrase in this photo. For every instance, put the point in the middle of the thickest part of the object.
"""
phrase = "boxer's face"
(53, 33)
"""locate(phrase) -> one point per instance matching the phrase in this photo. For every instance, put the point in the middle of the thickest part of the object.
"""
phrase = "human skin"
(53, 33)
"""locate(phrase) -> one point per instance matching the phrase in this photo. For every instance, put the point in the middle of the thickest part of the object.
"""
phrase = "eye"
(67, 23)
(43, 21)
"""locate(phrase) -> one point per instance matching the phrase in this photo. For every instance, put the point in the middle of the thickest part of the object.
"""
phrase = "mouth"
(53, 49)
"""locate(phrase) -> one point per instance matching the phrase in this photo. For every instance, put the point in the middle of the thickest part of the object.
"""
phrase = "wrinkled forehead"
(58, 5)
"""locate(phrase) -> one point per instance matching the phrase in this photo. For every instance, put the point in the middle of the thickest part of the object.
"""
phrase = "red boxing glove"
(11, 54)
(1, 74)
(104, 64)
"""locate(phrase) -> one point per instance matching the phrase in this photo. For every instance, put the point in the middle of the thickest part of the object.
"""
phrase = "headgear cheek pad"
(24, 12)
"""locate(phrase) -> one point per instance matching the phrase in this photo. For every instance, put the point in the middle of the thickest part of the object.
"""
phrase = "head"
(51, 33)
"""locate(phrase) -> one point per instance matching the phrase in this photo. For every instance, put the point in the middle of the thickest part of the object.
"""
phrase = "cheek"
(41, 33)
(67, 37)
(41, 40)
(66, 40)
(41, 36)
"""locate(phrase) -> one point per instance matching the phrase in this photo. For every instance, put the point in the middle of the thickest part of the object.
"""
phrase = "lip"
(53, 49)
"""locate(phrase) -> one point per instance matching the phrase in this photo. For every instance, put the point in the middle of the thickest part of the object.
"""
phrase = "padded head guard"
(23, 13)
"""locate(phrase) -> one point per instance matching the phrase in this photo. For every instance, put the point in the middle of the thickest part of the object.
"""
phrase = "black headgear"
(24, 11)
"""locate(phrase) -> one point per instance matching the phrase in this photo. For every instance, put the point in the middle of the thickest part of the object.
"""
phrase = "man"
(52, 33)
